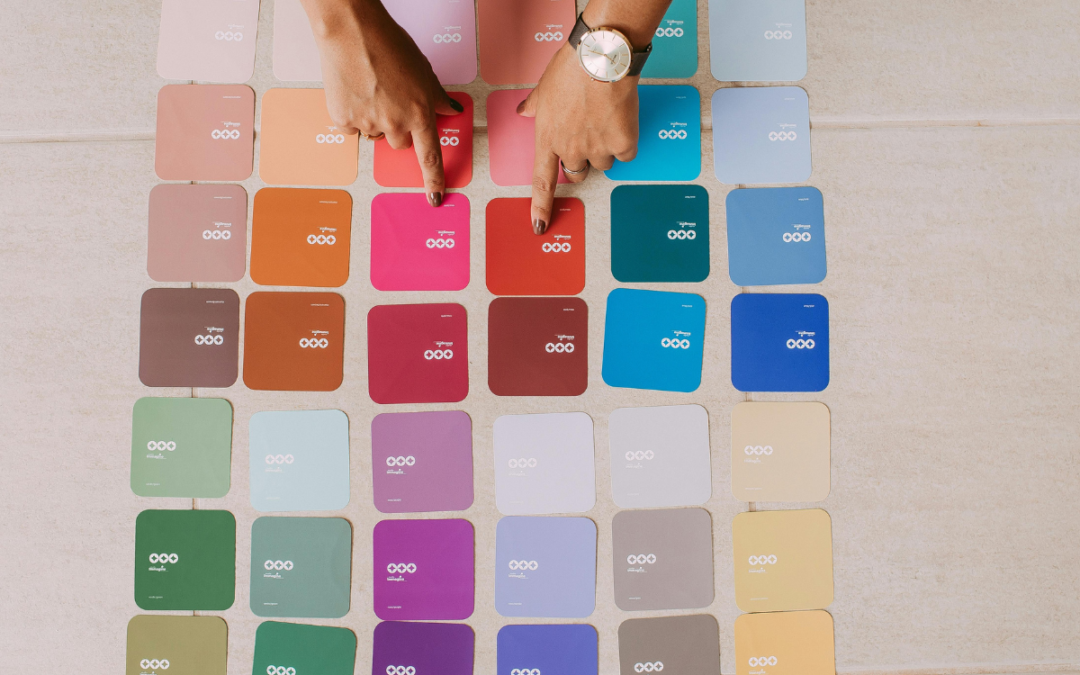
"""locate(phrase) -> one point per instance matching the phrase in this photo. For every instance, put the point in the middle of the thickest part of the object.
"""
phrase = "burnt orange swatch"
(522, 263)
(401, 168)
(294, 341)
(301, 237)
(299, 144)
(204, 132)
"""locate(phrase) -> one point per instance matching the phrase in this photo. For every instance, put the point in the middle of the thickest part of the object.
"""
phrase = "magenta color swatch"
(511, 139)
(423, 648)
(422, 461)
(423, 569)
(415, 247)
(418, 353)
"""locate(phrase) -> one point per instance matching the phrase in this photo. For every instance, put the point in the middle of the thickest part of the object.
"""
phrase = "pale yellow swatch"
(783, 560)
(785, 643)
(780, 452)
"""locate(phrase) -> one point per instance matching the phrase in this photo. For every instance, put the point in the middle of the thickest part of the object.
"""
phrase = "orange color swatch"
(401, 168)
(205, 132)
(522, 263)
(294, 341)
(535, 29)
(301, 237)
(299, 144)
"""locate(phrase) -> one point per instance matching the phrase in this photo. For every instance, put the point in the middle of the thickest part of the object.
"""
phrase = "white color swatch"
(660, 456)
(544, 464)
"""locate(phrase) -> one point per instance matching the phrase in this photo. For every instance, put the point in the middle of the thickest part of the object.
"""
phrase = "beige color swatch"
(780, 452)
(785, 643)
(783, 560)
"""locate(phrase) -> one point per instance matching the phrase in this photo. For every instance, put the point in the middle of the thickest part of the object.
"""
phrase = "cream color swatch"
(783, 560)
(780, 452)
(785, 643)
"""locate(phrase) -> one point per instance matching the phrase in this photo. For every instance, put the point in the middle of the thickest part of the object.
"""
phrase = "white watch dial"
(605, 55)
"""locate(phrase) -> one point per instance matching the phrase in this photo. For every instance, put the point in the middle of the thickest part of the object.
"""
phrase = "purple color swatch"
(442, 648)
(423, 569)
(422, 461)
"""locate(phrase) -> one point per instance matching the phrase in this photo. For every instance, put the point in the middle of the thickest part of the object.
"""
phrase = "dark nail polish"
(457, 106)
(521, 107)
(539, 227)
(435, 198)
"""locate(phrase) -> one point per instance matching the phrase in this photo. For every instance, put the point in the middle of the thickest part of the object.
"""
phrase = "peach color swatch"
(294, 341)
(511, 139)
(301, 237)
(400, 168)
(205, 132)
(522, 263)
(300, 144)
(207, 40)
(415, 247)
(197, 233)
(517, 39)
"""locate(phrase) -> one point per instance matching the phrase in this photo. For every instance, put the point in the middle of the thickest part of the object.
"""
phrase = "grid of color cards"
(302, 467)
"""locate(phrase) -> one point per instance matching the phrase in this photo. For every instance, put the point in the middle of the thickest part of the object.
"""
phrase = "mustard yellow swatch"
(783, 560)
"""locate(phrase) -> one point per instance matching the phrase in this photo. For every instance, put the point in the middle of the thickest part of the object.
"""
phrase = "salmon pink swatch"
(205, 132)
(415, 247)
(197, 233)
(299, 144)
(423, 569)
(301, 237)
(418, 353)
(517, 39)
(294, 341)
(511, 139)
(401, 168)
(538, 346)
(522, 263)
(422, 461)
(207, 40)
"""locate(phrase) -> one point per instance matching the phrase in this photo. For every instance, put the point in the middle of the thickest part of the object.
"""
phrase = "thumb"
(446, 105)
(527, 108)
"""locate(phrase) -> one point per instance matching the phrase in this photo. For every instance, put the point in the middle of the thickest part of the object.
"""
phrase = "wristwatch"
(605, 53)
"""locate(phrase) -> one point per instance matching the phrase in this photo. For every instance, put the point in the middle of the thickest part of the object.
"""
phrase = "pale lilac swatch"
(445, 31)
(423, 569)
(422, 461)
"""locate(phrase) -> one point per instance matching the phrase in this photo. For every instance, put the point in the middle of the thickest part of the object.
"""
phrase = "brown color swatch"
(205, 132)
(785, 643)
(188, 337)
(299, 144)
(538, 346)
(780, 452)
(301, 237)
(294, 341)
(197, 233)
(678, 645)
(177, 645)
(662, 559)
(783, 560)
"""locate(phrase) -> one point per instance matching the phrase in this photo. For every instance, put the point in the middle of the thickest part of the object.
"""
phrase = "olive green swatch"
(301, 567)
(185, 560)
(177, 645)
(181, 447)
(297, 648)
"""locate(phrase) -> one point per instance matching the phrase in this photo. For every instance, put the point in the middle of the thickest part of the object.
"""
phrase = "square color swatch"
(761, 135)
(197, 233)
(301, 567)
(544, 464)
(528, 650)
(662, 559)
(181, 645)
(422, 461)
(294, 341)
(538, 346)
(522, 263)
(776, 236)
(660, 456)
(181, 447)
(326, 650)
(785, 643)
(415, 247)
(401, 168)
(295, 54)
(511, 139)
(675, 45)
(779, 342)
(207, 40)
(403, 647)
(654, 340)
(299, 143)
(423, 569)
(537, 28)
(188, 337)
(185, 559)
(669, 136)
(545, 567)
(679, 644)
(301, 237)
(758, 42)
(780, 452)
(205, 132)
(660, 233)
(783, 560)
(418, 353)
(299, 460)
(445, 31)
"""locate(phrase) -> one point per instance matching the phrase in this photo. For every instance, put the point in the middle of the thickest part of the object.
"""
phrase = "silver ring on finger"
(571, 172)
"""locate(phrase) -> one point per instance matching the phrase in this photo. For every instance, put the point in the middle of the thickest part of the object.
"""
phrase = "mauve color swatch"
(415, 247)
(205, 132)
(401, 168)
(538, 346)
(422, 461)
(421, 648)
(423, 569)
(536, 28)
(545, 567)
(445, 31)
(418, 353)
(188, 337)
(197, 233)
(294, 341)
(522, 263)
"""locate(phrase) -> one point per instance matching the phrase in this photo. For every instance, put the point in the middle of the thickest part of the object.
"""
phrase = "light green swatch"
(177, 645)
(185, 560)
(301, 567)
(181, 447)
(297, 648)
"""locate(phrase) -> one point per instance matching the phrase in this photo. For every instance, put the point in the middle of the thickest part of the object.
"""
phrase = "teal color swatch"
(674, 45)
(301, 567)
(669, 136)
(288, 648)
(299, 460)
(776, 236)
(660, 233)
(181, 447)
(760, 41)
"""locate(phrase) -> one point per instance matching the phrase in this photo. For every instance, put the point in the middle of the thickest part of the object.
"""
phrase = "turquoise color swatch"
(299, 460)
(674, 46)
(761, 135)
(760, 41)
(660, 233)
(776, 236)
(669, 136)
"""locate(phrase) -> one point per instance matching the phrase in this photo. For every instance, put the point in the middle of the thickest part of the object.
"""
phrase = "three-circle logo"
(225, 134)
(524, 564)
(322, 239)
(278, 565)
(758, 450)
(449, 140)
(782, 135)
(557, 247)
(400, 670)
(675, 343)
(548, 37)
(800, 344)
(796, 236)
(641, 559)
(164, 558)
(672, 134)
(649, 667)
(441, 38)
(669, 32)
(159, 446)
(778, 35)
(314, 343)
(401, 568)
(756, 661)
(280, 459)
(681, 234)
(400, 461)
(209, 339)
(559, 347)
(441, 242)
(439, 354)
(154, 664)
(229, 35)
(762, 560)
(330, 138)
(522, 463)
(280, 670)
(525, 671)
(638, 455)
(216, 234)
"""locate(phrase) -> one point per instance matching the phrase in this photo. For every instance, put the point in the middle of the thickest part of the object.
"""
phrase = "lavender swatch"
(545, 567)
(422, 461)
(423, 569)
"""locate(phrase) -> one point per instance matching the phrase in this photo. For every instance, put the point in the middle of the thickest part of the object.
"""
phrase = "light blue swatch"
(669, 136)
(776, 236)
(299, 460)
(779, 342)
(760, 41)
(674, 46)
(761, 135)
(545, 567)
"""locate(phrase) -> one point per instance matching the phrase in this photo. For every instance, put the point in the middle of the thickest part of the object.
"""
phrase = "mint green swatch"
(301, 567)
(185, 560)
(181, 447)
(298, 648)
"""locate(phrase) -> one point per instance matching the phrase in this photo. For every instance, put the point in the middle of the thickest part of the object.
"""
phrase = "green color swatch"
(295, 648)
(301, 567)
(185, 560)
(660, 233)
(181, 447)
(177, 645)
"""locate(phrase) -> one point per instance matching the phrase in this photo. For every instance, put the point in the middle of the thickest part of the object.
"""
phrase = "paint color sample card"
(669, 136)
(294, 341)
(445, 31)
(537, 28)
(654, 340)
(522, 263)
(511, 139)
(185, 560)
(299, 143)
(783, 560)
(785, 643)
(320, 649)
(415, 247)
(761, 135)
(776, 236)
(182, 645)
(418, 353)
(538, 346)
(675, 47)
(299, 460)
(660, 456)
(544, 464)
(296, 56)
(758, 42)
(679, 644)
(526, 650)
(662, 559)
(301, 237)
(423, 569)
(443, 648)
(181, 447)
(422, 461)
(779, 342)
(401, 168)
(660, 233)
(545, 567)
(205, 132)
(207, 40)
(197, 233)
(301, 567)
(188, 337)
(780, 452)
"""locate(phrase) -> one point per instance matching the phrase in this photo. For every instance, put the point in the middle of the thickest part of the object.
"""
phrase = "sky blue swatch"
(660, 233)
(545, 567)
(299, 460)
(669, 136)
(779, 342)
(760, 41)
(674, 46)
(547, 649)
(776, 236)
(761, 135)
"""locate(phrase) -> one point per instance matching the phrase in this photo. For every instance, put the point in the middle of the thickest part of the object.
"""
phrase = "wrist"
(333, 19)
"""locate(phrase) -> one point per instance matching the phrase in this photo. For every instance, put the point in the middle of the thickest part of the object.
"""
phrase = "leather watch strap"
(637, 59)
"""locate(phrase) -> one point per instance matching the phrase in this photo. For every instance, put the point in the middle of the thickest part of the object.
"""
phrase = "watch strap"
(637, 59)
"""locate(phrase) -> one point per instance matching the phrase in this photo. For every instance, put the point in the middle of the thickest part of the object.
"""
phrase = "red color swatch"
(418, 353)
(522, 263)
(538, 346)
(401, 168)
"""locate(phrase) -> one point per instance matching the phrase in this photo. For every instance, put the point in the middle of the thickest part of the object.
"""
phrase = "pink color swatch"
(511, 139)
(415, 247)
(423, 569)
(205, 132)
(422, 461)
(197, 233)
(445, 30)
(207, 40)
(519, 37)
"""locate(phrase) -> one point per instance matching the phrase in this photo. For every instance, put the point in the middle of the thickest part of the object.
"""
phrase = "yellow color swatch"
(780, 452)
(785, 643)
(783, 560)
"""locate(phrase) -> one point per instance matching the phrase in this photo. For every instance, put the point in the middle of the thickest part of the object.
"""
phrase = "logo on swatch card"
(400, 461)
(525, 671)
(445, 239)
(681, 233)
(522, 463)
(441, 351)
(558, 246)
(648, 667)
(672, 29)
(330, 138)
(213, 336)
(316, 341)
(275, 567)
(161, 446)
(218, 234)
(757, 560)
(639, 455)
(231, 132)
(677, 342)
(400, 569)
(154, 664)
(800, 234)
(549, 35)
(450, 34)
(523, 565)
(446, 139)
(640, 559)
(676, 132)
(233, 34)
(785, 133)
(280, 670)
(758, 661)
(323, 239)
(805, 340)
(782, 32)
(162, 559)
(758, 450)
(560, 347)
(279, 459)
(400, 670)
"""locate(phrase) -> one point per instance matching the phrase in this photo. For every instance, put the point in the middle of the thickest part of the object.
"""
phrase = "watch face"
(605, 54)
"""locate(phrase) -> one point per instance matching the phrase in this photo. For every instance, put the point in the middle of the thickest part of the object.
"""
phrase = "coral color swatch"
(207, 40)
(189, 337)
(535, 28)
(401, 168)
(299, 143)
(522, 263)
(197, 233)
(205, 132)
(418, 353)
(301, 237)
(538, 346)
(511, 139)
(294, 341)
(415, 247)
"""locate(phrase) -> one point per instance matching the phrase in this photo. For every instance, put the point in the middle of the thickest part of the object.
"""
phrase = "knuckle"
(542, 184)
(430, 159)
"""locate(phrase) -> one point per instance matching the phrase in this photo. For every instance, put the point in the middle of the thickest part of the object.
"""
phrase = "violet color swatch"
(422, 461)
(423, 569)
(442, 648)
(545, 567)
